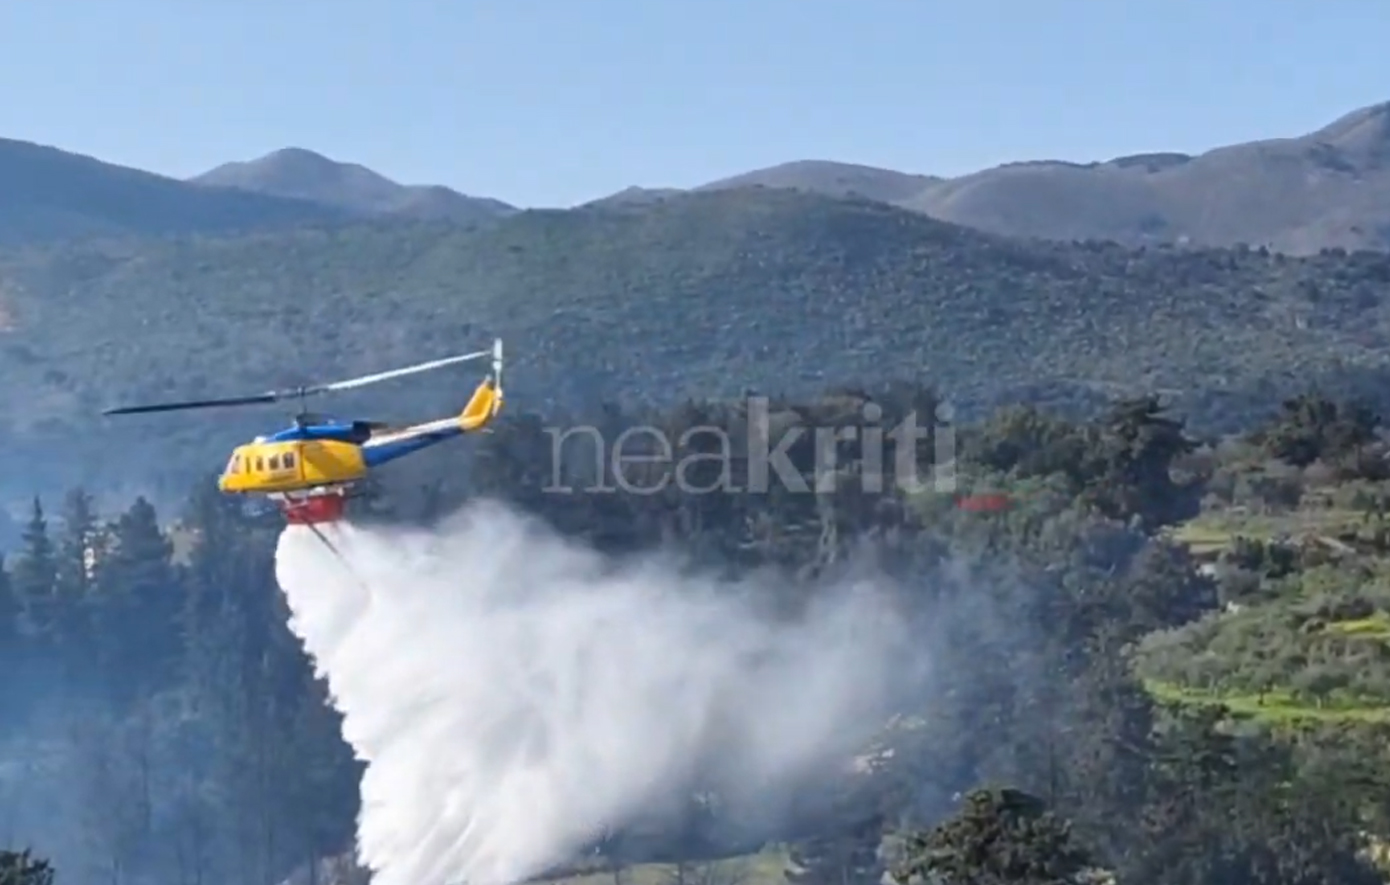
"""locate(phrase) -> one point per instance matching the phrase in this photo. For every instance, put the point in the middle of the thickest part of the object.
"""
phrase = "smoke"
(513, 694)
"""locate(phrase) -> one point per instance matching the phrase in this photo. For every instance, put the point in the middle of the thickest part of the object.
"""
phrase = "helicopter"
(310, 468)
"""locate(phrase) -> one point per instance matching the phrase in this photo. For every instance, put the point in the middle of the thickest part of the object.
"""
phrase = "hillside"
(1326, 188)
(704, 294)
(51, 194)
(1300, 553)
(300, 174)
(1329, 188)
(636, 196)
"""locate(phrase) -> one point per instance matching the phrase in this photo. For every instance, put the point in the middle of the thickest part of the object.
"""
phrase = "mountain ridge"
(1329, 188)
(52, 194)
(304, 174)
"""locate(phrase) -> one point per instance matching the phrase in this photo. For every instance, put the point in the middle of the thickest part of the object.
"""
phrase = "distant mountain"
(1297, 195)
(834, 180)
(1327, 188)
(48, 194)
(305, 175)
(637, 196)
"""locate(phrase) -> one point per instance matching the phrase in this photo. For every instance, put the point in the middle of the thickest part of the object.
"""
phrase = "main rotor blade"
(196, 404)
(275, 396)
(364, 380)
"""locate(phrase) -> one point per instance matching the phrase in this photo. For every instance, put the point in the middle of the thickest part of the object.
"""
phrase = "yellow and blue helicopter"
(309, 469)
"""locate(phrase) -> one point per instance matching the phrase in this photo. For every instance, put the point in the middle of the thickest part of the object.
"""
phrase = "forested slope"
(703, 295)
(1036, 613)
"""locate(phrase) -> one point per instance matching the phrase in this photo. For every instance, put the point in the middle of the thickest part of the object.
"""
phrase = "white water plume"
(513, 694)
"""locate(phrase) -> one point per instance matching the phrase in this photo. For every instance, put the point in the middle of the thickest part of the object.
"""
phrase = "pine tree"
(78, 548)
(9, 612)
(1000, 837)
(318, 789)
(139, 604)
(11, 654)
(23, 868)
(79, 551)
(33, 577)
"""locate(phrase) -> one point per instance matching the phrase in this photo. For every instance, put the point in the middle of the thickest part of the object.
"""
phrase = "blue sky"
(554, 102)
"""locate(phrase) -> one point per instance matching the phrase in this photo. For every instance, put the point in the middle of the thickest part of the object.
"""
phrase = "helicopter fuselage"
(310, 467)
(302, 458)
(278, 464)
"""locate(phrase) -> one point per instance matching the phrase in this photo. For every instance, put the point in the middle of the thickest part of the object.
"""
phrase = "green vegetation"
(999, 836)
(1155, 724)
(703, 295)
(1296, 536)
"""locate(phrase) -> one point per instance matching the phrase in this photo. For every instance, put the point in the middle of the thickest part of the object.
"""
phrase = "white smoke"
(513, 694)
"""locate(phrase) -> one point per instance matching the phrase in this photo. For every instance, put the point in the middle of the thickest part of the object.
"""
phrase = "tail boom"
(482, 407)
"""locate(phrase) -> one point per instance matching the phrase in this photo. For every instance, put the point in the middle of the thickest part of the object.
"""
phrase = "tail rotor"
(497, 364)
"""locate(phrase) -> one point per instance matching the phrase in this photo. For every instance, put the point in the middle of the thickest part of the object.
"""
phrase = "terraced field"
(1306, 644)
(1274, 707)
(1212, 532)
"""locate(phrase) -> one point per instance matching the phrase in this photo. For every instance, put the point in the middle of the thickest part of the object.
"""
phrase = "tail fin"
(487, 399)
(482, 407)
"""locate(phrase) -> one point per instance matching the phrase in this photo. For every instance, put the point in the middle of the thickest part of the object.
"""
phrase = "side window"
(289, 460)
(260, 465)
(274, 462)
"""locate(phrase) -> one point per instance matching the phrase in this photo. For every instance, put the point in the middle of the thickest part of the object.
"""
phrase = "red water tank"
(313, 510)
